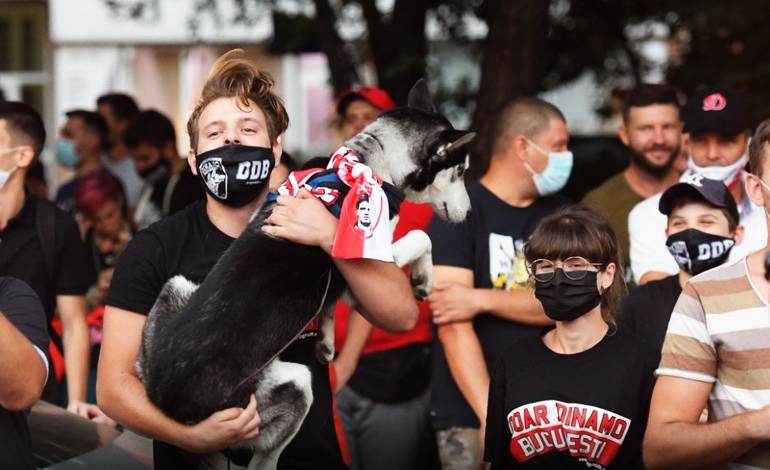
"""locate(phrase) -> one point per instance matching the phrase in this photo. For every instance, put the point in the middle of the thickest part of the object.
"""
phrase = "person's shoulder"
(14, 286)
(553, 202)
(178, 220)
(725, 273)
(607, 188)
(631, 344)
(647, 206)
(61, 217)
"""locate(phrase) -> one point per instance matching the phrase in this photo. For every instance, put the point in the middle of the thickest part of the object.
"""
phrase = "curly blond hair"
(232, 76)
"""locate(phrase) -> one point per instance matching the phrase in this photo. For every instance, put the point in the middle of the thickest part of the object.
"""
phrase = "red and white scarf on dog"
(363, 230)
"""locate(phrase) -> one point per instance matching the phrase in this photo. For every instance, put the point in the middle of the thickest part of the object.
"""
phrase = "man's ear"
(277, 151)
(192, 161)
(623, 134)
(25, 156)
(521, 147)
(754, 189)
(738, 235)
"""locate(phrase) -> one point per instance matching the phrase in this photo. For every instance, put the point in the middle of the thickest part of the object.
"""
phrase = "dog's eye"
(460, 170)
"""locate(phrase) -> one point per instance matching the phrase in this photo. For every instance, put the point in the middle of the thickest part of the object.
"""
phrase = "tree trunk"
(341, 66)
(511, 67)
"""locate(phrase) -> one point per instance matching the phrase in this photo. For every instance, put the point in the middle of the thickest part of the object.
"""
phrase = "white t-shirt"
(647, 233)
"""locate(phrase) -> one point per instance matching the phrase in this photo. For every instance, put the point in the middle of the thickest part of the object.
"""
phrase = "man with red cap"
(359, 108)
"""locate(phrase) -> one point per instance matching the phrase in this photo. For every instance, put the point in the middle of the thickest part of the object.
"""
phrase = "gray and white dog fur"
(209, 347)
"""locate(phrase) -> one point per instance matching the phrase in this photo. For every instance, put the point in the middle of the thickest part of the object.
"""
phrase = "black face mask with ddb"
(696, 251)
(565, 299)
(235, 175)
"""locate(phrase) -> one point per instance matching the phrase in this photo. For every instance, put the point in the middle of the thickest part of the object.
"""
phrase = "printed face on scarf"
(712, 148)
(227, 121)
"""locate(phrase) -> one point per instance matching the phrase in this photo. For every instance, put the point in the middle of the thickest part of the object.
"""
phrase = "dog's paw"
(420, 287)
(324, 352)
(421, 278)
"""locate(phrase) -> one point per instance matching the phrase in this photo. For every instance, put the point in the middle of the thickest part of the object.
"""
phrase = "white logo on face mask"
(215, 176)
(253, 170)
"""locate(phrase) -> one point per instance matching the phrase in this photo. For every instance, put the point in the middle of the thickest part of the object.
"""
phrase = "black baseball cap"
(720, 109)
(713, 192)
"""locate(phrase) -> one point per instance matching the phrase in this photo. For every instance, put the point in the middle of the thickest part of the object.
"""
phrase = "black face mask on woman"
(566, 299)
(235, 175)
(696, 251)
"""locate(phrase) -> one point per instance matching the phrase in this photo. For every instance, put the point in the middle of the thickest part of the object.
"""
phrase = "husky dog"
(209, 347)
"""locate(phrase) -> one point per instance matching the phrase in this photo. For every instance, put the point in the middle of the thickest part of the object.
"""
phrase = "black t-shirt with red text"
(570, 411)
(187, 243)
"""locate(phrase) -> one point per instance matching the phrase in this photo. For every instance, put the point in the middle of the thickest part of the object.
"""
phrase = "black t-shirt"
(491, 244)
(187, 243)
(647, 309)
(570, 411)
(20, 305)
(21, 255)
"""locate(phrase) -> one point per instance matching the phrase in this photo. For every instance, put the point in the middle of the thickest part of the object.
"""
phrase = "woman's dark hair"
(580, 231)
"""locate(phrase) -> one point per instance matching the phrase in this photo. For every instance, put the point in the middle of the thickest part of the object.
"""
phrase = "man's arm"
(452, 302)
(123, 397)
(676, 440)
(462, 347)
(356, 337)
(382, 291)
(72, 311)
(22, 370)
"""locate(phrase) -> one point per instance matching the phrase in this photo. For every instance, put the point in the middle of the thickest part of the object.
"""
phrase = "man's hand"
(91, 412)
(452, 302)
(302, 219)
(223, 429)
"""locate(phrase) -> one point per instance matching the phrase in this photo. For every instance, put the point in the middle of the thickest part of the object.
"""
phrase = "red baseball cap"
(377, 97)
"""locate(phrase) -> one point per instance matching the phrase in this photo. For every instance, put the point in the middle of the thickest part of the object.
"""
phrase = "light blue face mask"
(556, 173)
(66, 154)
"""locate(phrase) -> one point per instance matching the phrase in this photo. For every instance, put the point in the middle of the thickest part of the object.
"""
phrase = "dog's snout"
(468, 213)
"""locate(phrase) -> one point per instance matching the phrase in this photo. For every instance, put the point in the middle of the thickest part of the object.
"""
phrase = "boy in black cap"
(702, 229)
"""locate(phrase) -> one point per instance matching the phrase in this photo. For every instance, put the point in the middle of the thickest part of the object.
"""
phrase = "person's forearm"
(466, 363)
(704, 445)
(517, 305)
(76, 358)
(356, 337)
(124, 399)
(22, 372)
(383, 293)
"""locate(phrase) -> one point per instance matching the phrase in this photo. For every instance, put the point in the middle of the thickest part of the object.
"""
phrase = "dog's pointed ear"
(460, 138)
(419, 97)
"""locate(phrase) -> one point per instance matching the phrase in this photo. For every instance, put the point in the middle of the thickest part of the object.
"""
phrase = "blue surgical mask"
(66, 154)
(556, 173)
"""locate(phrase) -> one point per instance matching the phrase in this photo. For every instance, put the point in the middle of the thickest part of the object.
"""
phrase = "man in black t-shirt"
(23, 369)
(41, 246)
(235, 127)
(480, 299)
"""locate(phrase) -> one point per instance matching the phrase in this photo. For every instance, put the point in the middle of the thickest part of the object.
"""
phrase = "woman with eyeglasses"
(577, 396)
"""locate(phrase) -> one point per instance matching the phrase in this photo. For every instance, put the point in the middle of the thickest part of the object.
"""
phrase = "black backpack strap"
(45, 223)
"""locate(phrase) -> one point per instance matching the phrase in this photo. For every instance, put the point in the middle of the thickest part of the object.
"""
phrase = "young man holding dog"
(716, 354)
(480, 299)
(240, 119)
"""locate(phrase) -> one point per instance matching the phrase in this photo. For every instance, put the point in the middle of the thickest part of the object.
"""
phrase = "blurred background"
(580, 54)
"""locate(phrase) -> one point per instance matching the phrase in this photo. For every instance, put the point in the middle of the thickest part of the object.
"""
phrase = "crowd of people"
(622, 331)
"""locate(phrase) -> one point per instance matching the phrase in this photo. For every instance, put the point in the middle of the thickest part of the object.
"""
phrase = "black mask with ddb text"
(235, 175)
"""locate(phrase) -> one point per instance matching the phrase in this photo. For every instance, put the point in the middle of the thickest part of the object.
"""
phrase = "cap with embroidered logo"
(714, 192)
(720, 109)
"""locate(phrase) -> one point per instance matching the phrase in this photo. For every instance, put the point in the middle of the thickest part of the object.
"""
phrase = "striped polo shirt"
(719, 333)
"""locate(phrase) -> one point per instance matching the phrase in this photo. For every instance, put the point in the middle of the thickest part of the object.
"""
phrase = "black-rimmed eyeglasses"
(574, 267)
